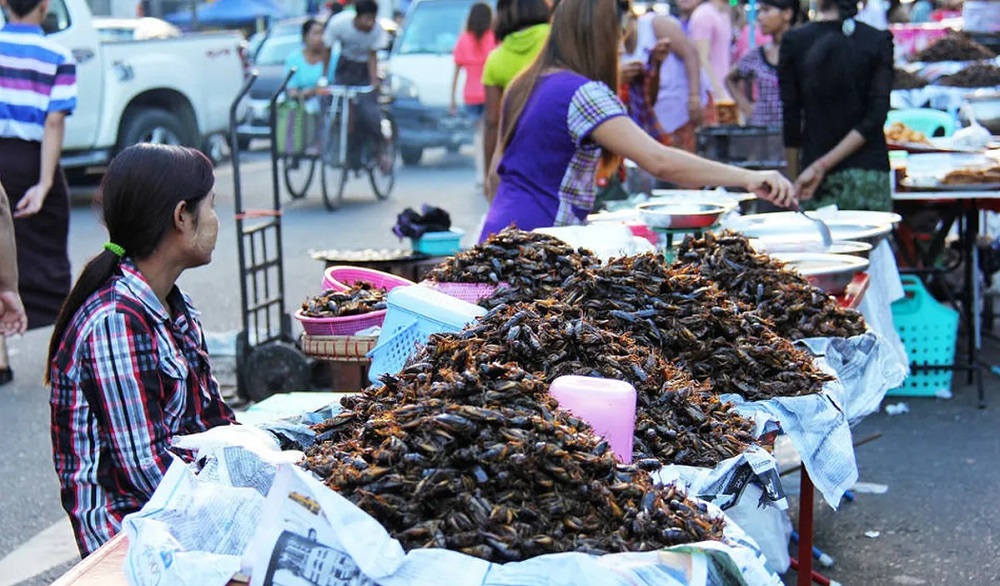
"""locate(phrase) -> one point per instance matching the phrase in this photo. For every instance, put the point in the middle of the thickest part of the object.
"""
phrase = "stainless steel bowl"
(686, 215)
(744, 202)
(860, 249)
(830, 272)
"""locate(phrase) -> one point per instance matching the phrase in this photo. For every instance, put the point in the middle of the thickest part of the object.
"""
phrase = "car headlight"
(403, 88)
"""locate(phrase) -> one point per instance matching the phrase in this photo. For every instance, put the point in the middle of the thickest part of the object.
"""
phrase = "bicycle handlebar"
(345, 90)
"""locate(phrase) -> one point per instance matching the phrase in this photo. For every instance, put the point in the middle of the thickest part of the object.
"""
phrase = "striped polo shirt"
(37, 76)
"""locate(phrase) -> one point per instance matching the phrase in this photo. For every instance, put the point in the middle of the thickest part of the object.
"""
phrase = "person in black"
(834, 76)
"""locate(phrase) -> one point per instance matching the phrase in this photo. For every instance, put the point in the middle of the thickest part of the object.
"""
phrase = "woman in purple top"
(561, 120)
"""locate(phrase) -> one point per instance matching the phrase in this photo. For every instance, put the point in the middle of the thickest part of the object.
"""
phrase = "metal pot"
(985, 106)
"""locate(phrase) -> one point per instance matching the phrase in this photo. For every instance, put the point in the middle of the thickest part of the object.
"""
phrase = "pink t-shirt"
(471, 54)
(708, 24)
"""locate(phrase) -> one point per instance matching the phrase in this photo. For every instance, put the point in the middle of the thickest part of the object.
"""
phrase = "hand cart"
(267, 357)
(327, 137)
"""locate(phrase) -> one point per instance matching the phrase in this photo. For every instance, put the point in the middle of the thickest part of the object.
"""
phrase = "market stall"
(718, 347)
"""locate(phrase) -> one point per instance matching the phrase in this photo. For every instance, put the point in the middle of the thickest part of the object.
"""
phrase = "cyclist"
(360, 36)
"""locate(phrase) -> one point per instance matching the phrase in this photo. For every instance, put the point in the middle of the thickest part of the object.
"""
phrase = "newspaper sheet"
(724, 485)
(310, 534)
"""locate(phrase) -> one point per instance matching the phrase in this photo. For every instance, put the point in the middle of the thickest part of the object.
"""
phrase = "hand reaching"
(32, 201)
(808, 182)
(774, 187)
(13, 319)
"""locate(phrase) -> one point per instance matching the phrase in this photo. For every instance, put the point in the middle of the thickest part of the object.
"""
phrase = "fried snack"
(972, 176)
(901, 133)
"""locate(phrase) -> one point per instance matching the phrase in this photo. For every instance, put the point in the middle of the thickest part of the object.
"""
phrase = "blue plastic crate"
(440, 243)
(929, 331)
(414, 313)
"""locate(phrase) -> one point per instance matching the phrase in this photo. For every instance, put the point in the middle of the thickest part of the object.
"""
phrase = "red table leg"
(805, 529)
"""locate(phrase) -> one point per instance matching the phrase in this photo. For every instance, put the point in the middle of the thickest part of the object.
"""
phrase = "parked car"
(268, 53)
(420, 71)
(176, 90)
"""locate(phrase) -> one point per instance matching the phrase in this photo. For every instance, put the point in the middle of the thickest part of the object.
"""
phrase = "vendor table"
(104, 567)
(964, 208)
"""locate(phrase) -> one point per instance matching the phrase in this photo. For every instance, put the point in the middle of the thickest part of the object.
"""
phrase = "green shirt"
(514, 55)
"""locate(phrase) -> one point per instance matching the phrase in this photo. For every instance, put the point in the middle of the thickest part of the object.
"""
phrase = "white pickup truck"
(173, 91)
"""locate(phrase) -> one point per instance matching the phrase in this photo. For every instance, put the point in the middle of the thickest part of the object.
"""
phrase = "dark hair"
(139, 193)
(480, 19)
(363, 7)
(833, 56)
(21, 8)
(307, 26)
(335, 9)
(515, 15)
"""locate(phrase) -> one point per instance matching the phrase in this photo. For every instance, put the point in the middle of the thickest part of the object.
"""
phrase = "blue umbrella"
(230, 13)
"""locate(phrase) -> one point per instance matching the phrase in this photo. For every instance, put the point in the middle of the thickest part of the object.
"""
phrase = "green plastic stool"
(926, 120)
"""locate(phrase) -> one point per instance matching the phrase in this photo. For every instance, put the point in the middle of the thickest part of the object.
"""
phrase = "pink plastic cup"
(607, 405)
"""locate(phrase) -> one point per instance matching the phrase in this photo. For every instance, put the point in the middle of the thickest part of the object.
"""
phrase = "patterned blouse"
(128, 376)
(547, 172)
(767, 107)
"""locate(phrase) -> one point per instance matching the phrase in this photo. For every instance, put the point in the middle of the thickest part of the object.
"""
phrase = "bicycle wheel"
(382, 182)
(334, 179)
(298, 172)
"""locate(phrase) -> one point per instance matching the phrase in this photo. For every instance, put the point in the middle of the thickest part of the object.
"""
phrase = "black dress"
(815, 122)
(44, 276)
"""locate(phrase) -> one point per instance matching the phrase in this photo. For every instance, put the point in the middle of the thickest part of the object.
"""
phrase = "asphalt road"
(940, 462)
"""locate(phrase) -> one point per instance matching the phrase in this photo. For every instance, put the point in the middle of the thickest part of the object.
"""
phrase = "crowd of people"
(558, 124)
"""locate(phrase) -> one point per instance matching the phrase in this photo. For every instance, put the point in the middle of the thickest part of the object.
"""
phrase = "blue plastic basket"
(929, 331)
(414, 314)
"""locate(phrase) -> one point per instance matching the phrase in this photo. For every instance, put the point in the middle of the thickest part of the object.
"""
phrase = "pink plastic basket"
(340, 326)
(471, 292)
(341, 277)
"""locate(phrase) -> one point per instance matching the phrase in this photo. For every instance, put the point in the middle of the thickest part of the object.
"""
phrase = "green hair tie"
(118, 250)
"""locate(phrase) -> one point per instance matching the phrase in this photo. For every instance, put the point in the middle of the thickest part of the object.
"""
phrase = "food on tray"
(696, 326)
(972, 176)
(901, 133)
(954, 47)
(978, 75)
(479, 459)
(797, 309)
(533, 265)
(904, 80)
(727, 113)
(362, 297)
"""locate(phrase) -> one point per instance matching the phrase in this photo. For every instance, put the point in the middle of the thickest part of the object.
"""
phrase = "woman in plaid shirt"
(129, 365)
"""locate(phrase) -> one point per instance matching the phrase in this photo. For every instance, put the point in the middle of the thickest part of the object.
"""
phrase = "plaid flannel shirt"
(593, 104)
(127, 377)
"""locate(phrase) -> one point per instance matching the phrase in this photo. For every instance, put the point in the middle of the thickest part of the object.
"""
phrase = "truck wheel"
(411, 155)
(155, 126)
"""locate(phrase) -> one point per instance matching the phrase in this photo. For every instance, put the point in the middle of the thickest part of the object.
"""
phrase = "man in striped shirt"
(37, 92)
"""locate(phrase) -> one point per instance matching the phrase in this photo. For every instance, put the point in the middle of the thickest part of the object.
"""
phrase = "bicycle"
(333, 146)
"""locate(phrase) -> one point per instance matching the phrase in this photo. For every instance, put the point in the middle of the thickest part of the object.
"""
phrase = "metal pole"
(194, 14)
(276, 202)
(237, 188)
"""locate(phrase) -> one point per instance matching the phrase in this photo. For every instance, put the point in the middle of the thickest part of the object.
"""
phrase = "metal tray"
(926, 185)
(861, 249)
(865, 217)
(686, 215)
(792, 227)
(829, 272)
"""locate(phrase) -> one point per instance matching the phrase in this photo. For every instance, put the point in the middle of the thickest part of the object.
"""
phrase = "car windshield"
(274, 50)
(433, 27)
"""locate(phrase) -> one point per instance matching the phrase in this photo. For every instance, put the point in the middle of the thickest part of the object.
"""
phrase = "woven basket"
(341, 277)
(338, 348)
(340, 326)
